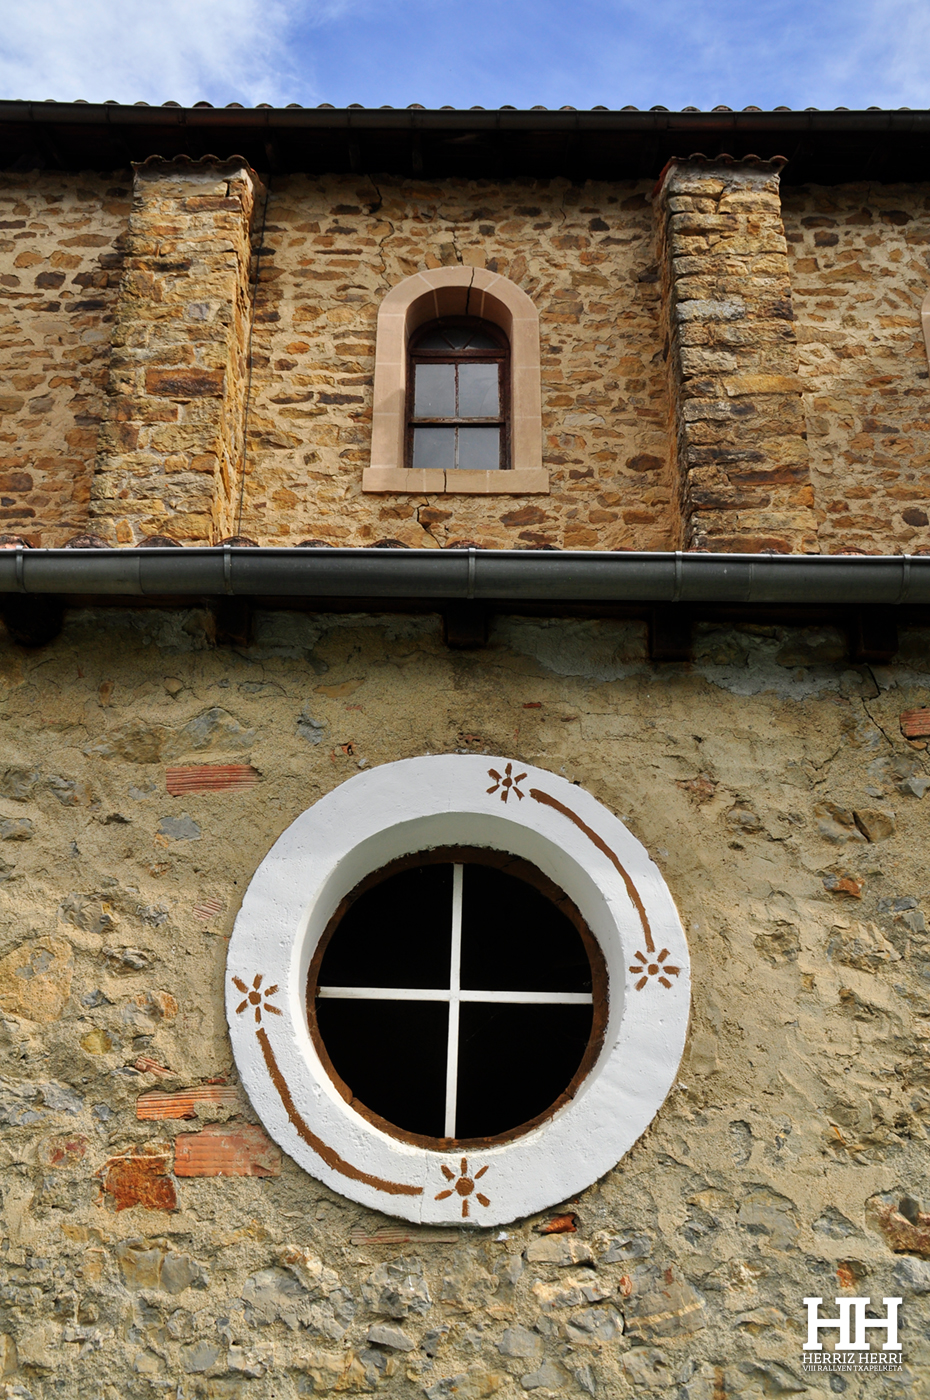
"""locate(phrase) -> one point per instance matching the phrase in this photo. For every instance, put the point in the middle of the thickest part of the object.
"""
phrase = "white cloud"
(147, 50)
(825, 53)
(881, 50)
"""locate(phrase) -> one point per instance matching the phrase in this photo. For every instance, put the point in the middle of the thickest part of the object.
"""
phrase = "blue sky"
(799, 53)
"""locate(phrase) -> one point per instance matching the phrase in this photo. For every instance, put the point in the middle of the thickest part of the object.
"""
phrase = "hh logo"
(852, 1324)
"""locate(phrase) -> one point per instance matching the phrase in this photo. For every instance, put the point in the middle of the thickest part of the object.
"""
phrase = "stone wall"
(60, 260)
(334, 247)
(859, 272)
(772, 784)
(742, 457)
(171, 450)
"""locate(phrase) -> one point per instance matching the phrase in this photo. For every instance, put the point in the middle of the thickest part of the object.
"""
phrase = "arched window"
(458, 396)
(471, 446)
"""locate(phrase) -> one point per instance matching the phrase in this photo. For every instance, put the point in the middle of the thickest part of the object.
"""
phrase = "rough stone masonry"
(726, 365)
(155, 1241)
(675, 408)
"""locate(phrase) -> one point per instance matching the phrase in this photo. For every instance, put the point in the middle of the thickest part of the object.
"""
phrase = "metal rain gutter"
(268, 119)
(490, 576)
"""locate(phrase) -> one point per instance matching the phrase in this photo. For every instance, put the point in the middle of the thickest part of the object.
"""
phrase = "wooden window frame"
(524, 870)
(434, 295)
(499, 356)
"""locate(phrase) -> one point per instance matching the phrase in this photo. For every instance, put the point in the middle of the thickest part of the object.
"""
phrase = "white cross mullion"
(442, 994)
(454, 996)
(455, 980)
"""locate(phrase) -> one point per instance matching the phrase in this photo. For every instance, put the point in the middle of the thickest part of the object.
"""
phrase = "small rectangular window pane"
(434, 396)
(479, 449)
(479, 392)
(434, 448)
(512, 1062)
(377, 1050)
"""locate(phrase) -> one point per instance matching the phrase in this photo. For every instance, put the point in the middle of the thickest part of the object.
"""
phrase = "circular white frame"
(415, 805)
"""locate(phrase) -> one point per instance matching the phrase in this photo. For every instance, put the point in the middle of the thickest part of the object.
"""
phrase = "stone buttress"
(743, 462)
(171, 447)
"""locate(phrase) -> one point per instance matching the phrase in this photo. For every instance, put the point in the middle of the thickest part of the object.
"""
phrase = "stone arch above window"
(429, 296)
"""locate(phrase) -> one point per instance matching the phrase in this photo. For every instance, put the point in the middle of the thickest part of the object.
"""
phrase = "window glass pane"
(514, 938)
(479, 393)
(434, 395)
(435, 340)
(434, 449)
(397, 934)
(479, 340)
(479, 449)
(392, 1055)
(458, 336)
(514, 1061)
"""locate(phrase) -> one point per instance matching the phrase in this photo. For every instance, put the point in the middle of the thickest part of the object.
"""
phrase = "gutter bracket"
(233, 621)
(873, 635)
(670, 633)
(465, 626)
(905, 580)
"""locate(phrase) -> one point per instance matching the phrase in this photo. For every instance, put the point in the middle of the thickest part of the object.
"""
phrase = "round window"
(457, 989)
(483, 975)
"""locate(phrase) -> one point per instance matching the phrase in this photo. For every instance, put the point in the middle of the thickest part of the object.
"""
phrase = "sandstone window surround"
(925, 321)
(303, 890)
(427, 296)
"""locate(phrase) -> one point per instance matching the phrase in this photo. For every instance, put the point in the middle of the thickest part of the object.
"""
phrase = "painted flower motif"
(654, 966)
(256, 998)
(464, 1186)
(506, 782)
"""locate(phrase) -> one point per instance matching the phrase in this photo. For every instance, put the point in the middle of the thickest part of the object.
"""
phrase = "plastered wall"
(772, 784)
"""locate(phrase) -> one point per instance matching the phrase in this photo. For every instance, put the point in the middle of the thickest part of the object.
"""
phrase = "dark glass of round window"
(457, 997)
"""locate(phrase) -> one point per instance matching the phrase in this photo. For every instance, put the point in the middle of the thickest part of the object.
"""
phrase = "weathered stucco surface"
(771, 782)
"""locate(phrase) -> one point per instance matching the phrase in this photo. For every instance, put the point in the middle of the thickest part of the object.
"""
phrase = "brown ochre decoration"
(255, 998)
(652, 965)
(506, 782)
(464, 1186)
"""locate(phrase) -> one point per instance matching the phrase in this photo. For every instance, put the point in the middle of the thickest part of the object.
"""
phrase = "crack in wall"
(471, 283)
(375, 209)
